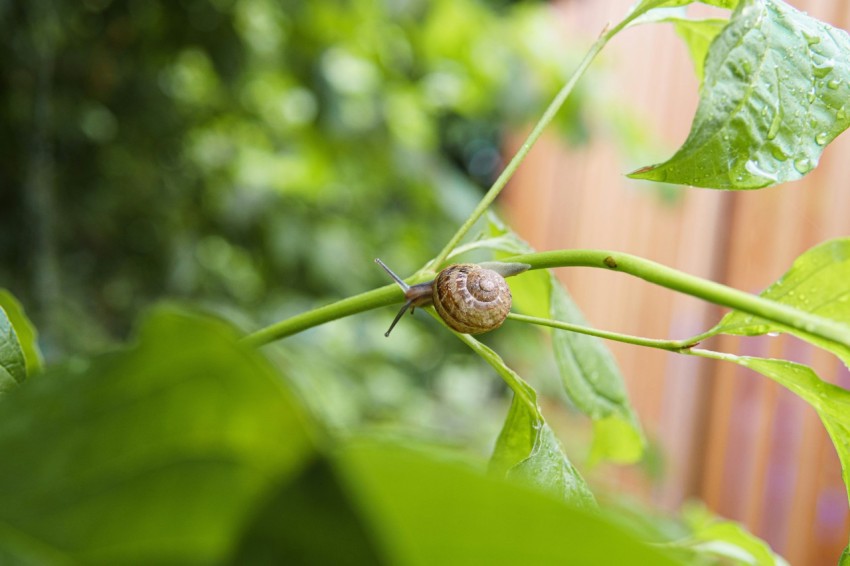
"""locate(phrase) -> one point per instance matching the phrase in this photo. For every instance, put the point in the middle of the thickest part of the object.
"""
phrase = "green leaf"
(432, 511)
(697, 35)
(593, 382)
(311, 520)
(588, 370)
(527, 449)
(816, 283)
(13, 368)
(831, 402)
(25, 330)
(719, 538)
(157, 454)
(775, 92)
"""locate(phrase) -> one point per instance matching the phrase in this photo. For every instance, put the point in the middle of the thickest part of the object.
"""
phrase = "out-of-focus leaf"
(697, 35)
(831, 402)
(433, 512)
(817, 283)
(25, 330)
(713, 537)
(157, 454)
(775, 94)
(594, 384)
(311, 520)
(13, 367)
(527, 449)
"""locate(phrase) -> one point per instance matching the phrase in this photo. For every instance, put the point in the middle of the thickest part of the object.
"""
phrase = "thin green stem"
(611, 261)
(669, 345)
(694, 286)
(369, 300)
(529, 142)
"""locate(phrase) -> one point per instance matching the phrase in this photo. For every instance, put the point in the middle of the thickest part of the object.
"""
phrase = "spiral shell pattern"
(471, 299)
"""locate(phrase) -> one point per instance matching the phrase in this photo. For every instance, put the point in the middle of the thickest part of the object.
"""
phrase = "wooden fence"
(750, 449)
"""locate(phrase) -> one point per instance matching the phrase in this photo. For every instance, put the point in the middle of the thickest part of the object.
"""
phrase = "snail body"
(470, 298)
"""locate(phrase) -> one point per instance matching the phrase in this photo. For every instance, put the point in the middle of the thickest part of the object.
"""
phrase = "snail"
(471, 298)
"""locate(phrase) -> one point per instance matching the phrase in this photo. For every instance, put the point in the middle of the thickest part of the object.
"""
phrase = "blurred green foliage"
(254, 156)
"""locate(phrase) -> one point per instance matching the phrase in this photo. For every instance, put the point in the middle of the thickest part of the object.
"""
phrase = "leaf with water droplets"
(776, 81)
(816, 283)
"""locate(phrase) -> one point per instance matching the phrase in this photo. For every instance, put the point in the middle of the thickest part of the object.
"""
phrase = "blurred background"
(254, 156)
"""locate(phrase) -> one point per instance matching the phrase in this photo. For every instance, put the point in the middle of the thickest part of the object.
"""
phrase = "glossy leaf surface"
(775, 94)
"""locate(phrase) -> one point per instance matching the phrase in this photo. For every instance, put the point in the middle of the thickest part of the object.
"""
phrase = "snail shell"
(471, 299)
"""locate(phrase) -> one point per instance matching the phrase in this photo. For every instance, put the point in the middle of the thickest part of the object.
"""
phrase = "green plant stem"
(611, 261)
(369, 300)
(669, 345)
(529, 142)
(694, 286)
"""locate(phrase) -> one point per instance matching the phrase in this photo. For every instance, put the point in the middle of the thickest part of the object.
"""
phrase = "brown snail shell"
(471, 298)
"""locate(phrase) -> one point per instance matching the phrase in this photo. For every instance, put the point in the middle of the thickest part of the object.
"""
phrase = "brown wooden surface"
(750, 449)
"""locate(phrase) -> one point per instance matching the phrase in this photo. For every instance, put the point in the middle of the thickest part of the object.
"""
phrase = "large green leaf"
(593, 382)
(775, 93)
(13, 367)
(817, 283)
(154, 455)
(527, 449)
(25, 330)
(311, 520)
(432, 511)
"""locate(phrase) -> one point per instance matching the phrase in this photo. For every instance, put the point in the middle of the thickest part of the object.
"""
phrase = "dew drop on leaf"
(834, 84)
(774, 125)
(778, 153)
(825, 68)
(822, 138)
(803, 165)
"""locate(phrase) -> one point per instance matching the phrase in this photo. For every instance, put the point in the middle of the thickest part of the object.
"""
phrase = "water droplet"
(803, 165)
(810, 96)
(834, 84)
(811, 39)
(773, 334)
(777, 153)
(842, 113)
(774, 125)
(822, 138)
(825, 68)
